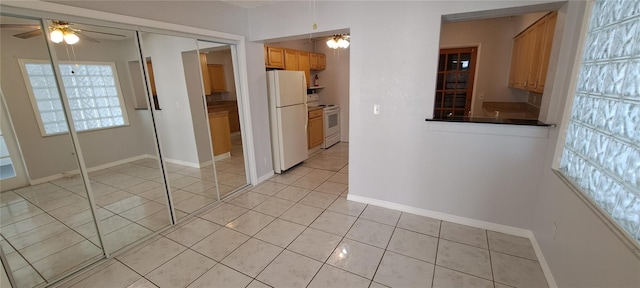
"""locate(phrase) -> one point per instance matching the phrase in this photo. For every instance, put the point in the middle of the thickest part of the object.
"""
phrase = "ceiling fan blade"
(86, 37)
(27, 35)
(29, 26)
(105, 33)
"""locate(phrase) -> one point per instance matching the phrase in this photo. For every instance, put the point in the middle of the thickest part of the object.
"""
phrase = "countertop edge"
(503, 121)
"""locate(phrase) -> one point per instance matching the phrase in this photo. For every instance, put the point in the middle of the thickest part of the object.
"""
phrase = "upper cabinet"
(530, 56)
(275, 57)
(291, 59)
(205, 74)
(317, 61)
(304, 65)
(216, 75)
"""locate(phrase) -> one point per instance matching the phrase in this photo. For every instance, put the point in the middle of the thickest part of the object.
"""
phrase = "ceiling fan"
(59, 31)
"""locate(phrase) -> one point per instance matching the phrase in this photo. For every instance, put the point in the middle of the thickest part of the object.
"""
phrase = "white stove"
(331, 125)
(331, 119)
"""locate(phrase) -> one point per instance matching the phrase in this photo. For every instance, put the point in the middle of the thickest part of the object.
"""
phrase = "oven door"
(331, 122)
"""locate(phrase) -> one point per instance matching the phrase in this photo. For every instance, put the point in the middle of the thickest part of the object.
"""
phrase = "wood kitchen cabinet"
(275, 57)
(322, 62)
(315, 131)
(317, 61)
(530, 55)
(151, 78)
(296, 60)
(205, 74)
(546, 48)
(304, 65)
(231, 107)
(220, 133)
(290, 59)
(216, 77)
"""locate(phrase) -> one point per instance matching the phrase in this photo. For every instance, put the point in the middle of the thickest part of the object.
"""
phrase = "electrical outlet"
(554, 228)
(265, 161)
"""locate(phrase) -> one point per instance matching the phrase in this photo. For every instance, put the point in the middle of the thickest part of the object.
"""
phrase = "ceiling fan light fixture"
(71, 38)
(56, 36)
(343, 43)
(338, 41)
(332, 43)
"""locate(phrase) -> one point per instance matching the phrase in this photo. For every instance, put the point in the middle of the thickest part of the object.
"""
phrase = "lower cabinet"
(220, 134)
(232, 108)
(315, 133)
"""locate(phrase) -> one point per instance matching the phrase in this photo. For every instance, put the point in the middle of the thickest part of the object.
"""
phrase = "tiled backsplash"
(535, 99)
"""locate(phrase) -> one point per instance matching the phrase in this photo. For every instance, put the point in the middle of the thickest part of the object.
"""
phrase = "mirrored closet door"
(115, 131)
(222, 111)
(108, 137)
(47, 225)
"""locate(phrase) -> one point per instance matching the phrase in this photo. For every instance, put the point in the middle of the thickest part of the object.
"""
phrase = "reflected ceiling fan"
(58, 32)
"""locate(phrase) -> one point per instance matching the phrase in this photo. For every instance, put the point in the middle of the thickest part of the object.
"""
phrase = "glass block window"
(92, 89)
(602, 150)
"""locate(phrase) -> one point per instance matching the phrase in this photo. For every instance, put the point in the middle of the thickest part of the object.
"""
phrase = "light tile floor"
(48, 230)
(299, 230)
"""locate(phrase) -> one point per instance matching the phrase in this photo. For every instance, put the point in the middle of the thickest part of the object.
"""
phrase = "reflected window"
(6, 166)
(92, 88)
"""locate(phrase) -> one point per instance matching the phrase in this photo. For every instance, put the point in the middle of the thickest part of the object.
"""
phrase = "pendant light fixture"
(339, 41)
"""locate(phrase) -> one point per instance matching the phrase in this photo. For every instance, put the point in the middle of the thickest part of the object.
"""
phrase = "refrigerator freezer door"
(291, 88)
(292, 136)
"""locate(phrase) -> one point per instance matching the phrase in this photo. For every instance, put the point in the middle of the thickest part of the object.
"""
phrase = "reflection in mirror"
(48, 229)
(218, 80)
(182, 123)
(117, 141)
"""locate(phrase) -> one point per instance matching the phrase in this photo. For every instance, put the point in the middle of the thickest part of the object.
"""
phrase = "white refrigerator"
(288, 118)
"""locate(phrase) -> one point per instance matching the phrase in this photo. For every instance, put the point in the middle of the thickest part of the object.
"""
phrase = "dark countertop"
(500, 120)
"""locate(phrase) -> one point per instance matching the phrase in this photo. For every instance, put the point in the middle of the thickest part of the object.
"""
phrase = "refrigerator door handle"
(306, 114)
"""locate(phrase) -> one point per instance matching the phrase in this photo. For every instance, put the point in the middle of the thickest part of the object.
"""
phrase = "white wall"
(584, 252)
(47, 156)
(197, 105)
(397, 157)
(335, 79)
(174, 120)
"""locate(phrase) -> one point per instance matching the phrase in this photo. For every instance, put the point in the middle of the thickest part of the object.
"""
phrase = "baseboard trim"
(543, 262)
(466, 221)
(180, 162)
(265, 177)
(92, 169)
(222, 156)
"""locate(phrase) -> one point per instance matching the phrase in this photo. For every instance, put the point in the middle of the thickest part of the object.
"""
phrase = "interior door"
(454, 87)
(12, 172)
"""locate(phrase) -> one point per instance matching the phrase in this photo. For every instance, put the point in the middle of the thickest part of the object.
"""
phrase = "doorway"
(454, 87)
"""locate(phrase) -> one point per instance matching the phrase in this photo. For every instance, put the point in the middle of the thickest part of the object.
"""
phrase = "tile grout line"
(308, 226)
(435, 260)
(384, 252)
